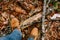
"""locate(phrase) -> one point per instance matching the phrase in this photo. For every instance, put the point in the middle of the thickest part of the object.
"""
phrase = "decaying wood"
(31, 20)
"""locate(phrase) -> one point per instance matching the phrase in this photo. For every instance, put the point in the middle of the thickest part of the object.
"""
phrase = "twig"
(34, 11)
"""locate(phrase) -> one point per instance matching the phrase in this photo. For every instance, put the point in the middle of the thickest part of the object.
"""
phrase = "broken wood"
(31, 20)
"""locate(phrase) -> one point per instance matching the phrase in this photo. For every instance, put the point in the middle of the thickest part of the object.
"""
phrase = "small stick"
(34, 11)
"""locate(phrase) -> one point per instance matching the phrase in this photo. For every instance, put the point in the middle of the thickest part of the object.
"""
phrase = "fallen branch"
(31, 21)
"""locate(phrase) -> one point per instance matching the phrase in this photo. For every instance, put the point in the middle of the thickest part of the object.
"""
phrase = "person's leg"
(15, 35)
(3, 38)
(30, 38)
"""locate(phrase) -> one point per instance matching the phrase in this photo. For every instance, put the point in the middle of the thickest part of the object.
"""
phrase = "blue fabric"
(15, 35)
(30, 38)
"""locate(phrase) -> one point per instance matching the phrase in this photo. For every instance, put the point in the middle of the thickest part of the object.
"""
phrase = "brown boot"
(34, 33)
(14, 23)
